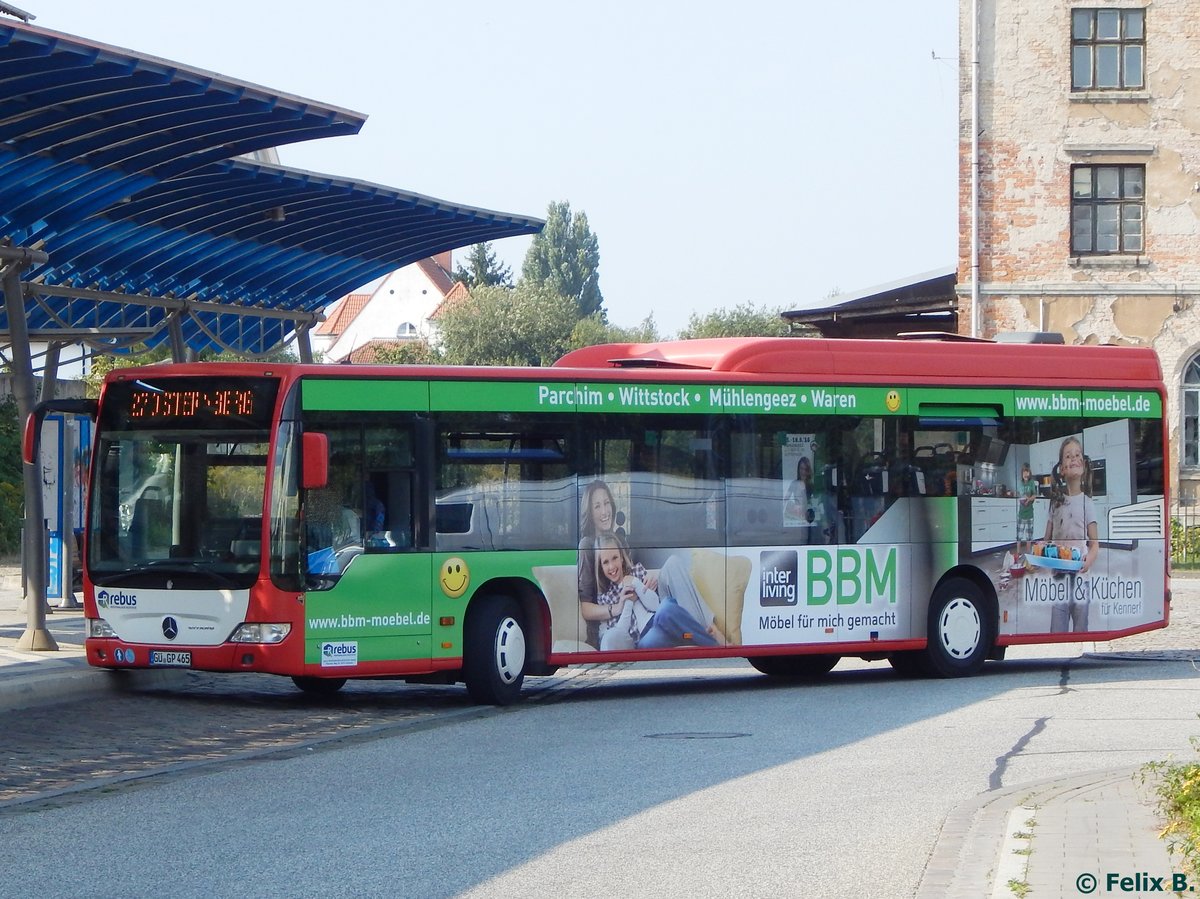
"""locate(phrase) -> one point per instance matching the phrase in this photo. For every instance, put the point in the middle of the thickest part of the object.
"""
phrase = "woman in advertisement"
(799, 510)
(598, 515)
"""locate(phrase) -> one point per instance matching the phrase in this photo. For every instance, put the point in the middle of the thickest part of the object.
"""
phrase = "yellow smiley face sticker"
(892, 400)
(454, 576)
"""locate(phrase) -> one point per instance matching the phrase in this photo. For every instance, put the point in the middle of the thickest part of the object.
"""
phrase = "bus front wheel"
(960, 629)
(494, 651)
(319, 686)
(794, 666)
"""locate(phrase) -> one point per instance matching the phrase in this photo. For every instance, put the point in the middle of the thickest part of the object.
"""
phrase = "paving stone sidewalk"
(1064, 837)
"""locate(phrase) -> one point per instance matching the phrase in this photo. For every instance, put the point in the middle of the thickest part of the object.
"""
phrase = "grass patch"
(1177, 791)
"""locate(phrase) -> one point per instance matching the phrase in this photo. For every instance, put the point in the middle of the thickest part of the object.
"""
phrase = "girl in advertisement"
(633, 615)
(1027, 495)
(1072, 526)
(597, 515)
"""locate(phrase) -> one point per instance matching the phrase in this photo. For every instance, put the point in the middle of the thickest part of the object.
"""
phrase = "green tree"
(502, 326)
(594, 330)
(101, 365)
(409, 352)
(565, 259)
(12, 483)
(278, 354)
(483, 268)
(744, 320)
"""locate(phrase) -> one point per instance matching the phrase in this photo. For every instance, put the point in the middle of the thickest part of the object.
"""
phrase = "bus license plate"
(171, 659)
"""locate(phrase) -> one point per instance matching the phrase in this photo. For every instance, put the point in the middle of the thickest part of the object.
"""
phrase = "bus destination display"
(205, 402)
(177, 404)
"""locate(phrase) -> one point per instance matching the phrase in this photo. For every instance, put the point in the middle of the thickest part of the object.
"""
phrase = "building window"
(1191, 414)
(406, 329)
(1108, 49)
(1107, 207)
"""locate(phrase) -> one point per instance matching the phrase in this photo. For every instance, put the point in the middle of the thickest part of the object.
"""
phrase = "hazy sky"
(724, 153)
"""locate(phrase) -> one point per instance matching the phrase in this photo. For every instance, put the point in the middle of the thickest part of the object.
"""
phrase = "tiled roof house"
(403, 307)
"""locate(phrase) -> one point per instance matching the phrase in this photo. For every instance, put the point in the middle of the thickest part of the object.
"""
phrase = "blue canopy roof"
(120, 167)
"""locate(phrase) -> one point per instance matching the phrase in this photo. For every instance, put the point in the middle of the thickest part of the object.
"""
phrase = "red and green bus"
(788, 501)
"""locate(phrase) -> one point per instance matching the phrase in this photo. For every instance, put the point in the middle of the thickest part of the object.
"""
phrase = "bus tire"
(794, 666)
(494, 651)
(319, 686)
(960, 629)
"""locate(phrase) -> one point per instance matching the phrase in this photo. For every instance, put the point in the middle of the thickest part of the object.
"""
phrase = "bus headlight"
(260, 632)
(98, 627)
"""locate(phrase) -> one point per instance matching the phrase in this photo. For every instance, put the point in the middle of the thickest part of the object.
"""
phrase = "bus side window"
(785, 481)
(389, 509)
(388, 484)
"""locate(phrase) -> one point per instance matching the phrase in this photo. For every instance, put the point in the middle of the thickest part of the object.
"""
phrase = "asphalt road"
(663, 779)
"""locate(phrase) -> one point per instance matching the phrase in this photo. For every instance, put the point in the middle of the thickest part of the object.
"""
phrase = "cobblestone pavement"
(52, 752)
(209, 718)
(1179, 640)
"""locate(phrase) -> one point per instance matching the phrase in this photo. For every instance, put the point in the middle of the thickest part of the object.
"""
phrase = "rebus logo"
(105, 600)
(339, 653)
(778, 578)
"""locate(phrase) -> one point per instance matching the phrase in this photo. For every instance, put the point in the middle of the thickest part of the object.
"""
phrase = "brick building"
(1088, 162)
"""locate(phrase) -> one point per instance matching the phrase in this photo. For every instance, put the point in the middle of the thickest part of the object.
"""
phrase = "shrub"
(1177, 787)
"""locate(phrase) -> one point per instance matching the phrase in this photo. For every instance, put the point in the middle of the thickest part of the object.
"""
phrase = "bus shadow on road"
(688, 678)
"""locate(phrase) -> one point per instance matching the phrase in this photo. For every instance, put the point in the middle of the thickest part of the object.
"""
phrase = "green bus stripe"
(377, 394)
(364, 395)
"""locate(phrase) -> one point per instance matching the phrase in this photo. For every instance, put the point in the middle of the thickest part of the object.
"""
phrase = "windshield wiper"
(160, 566)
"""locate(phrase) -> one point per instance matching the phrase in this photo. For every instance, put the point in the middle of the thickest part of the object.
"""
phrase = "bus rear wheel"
(794, 666)
(960, 629)
(494, 651)
(319, 686)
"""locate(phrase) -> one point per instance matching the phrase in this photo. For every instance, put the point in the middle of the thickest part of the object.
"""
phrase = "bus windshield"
(180, 480)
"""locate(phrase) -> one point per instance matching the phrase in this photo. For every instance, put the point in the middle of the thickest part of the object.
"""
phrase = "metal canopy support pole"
(36, 637)
(50, 371)
(178, 346)
(303, 344)
(66, 527)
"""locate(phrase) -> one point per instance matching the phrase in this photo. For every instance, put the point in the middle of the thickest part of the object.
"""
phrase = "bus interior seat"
(218, 535)
(246, 549)
(945, 470)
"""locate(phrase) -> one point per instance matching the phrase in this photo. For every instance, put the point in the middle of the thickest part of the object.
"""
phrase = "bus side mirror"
(32, 437)
(314, 462)
(29, 440)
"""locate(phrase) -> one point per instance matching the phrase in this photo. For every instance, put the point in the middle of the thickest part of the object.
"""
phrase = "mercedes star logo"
(170, 628)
